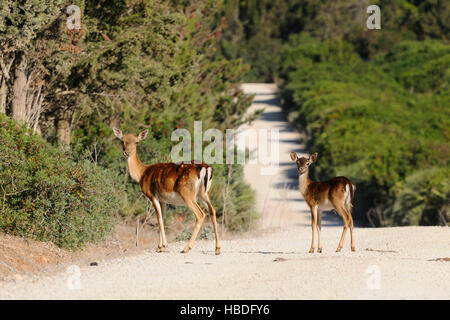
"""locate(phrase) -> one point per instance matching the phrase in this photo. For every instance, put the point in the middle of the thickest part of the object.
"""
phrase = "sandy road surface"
(271, 263)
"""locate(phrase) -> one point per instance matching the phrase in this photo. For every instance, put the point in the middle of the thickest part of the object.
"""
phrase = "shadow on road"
(273, 102)
(272, 116)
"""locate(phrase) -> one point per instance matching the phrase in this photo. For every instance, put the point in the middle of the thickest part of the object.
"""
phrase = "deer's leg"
(313, 225)
(319, 227)
(343, 214)
(162, 230)
(200, 217)
(162, 236)
(212, 213)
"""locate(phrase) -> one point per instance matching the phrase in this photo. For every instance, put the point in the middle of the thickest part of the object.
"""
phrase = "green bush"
(234, 200)
(423, 198)
(47, 196)
(419, 66)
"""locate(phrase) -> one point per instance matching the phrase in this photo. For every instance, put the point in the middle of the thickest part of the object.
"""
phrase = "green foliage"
(22, 20)
(234, 200)
(419, 66)
(257, 29)
(422, 198)
(207, 233)
(49, 197)
(366, 123)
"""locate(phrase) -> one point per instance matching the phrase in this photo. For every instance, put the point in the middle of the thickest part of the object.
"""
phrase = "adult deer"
(170, 183)
(336, 194)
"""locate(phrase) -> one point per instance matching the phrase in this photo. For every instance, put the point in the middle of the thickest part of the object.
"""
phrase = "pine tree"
(21, 25)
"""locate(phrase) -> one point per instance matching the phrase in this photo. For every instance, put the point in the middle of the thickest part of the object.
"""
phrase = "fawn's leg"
(350, 222)
(313, 226)
(319, 227)
(343, 214)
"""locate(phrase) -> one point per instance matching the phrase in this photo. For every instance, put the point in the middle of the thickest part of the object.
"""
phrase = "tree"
(21, 25)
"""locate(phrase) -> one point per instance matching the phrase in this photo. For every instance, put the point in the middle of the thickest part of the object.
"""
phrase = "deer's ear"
(313, 157)
(293, 156)
(142, 135)
(118, 133)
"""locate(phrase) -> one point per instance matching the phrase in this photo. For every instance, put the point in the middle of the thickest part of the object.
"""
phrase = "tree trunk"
(35, 99)
(5, 80)
(63, 128)
(20, 89)
(3, 94)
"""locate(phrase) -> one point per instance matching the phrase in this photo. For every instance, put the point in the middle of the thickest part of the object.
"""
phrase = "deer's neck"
(303, 183)
(135, 166)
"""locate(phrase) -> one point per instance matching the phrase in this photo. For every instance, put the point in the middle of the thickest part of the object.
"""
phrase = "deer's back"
(322, 192)
(168, 180)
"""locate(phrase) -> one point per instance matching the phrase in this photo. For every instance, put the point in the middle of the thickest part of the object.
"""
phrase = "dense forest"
(132, 64)
(374, 103)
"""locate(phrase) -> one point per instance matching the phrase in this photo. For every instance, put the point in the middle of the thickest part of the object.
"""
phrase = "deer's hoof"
(311, 250)
(353, 249)
(217, 251)
(186, 250)
(319, 250)
(338, 249)
(161, 249)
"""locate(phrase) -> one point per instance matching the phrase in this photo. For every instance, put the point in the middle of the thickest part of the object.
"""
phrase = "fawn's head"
(302, 162)
(129, 141)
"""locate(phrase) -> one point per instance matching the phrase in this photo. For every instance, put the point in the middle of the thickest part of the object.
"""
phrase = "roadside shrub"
(233, 199)
(423, 198)
(47, 196)
(419, 66)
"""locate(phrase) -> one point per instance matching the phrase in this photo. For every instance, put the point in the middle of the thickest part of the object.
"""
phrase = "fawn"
(336, 194)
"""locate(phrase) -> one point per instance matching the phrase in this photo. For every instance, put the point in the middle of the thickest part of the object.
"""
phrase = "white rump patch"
(208, 183)
(348, 198)
(200, 180)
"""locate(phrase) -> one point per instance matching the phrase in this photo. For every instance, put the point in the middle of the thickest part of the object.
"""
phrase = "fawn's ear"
(293, 156)
(118, 133)
(313, 157)
(142, 135)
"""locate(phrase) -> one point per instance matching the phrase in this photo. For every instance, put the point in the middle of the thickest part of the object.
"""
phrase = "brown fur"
(168, 177)
(322, 195)
(170, 183)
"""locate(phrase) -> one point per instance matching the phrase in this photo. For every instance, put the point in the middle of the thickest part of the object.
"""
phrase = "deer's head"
(302, 162)
(129, 141)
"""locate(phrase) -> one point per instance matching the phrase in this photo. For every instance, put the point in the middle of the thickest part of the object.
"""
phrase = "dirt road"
(272, 262)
